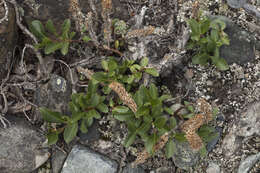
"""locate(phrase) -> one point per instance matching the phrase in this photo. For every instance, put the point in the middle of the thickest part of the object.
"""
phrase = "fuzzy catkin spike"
(141, 158)
(205, 108)
(193, 123)
(194, 140)
(123, 95)
(140, 32)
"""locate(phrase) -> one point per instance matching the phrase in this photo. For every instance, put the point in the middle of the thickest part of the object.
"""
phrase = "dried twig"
(18, 21)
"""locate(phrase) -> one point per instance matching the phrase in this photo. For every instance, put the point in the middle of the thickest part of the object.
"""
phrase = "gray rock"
(247, 125)
(93, 134)
(57, 160)
(212, 143)
(213, 168)
(20, 148)
(8, 39)
(84, 160)
(242, 44)
(248, 163)
(165, 170)
(129, 169)
(185, 157)
(54, 95)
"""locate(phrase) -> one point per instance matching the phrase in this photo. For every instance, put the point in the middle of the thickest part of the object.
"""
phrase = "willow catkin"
(194, 140)
(123, 95)
(205, 108)
(144, 155)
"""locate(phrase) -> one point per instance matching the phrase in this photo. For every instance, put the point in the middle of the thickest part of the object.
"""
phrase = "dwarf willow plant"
(84, 109)
(207, 36)
(128, 72)
(52, 40)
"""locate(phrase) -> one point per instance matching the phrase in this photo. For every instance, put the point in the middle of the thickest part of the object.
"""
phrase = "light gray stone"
(21, 148)
(129, 169)
(185, 157)
(84, 160)
(247, 125)
(213, 168)
(57, 160)
(248, 163)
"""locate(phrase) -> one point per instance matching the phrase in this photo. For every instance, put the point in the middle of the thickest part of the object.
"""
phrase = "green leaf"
(188, 115)
(86, 38)
(153, 91)
(224, 39)
(211, 45)
(65, 48)
(142, 111)
(168, 110)
(164, 97)
(95, 100)
(149, 145)
(201, 59)
(203, 152)
(65, 28)
(104, 64)
(71, 35)
(160, 122)
(130, 139)
(106, 90)
(204, 27)
(50, 27)
(170, 148)
(83, 127)
(144, 62)
(221, 64)
(100, 76)
(37, 29)
(138, 75)
(152, 72)
(144, 128)
(77, 116)
(173, 122)
(52, 47)
(215, 111)
(124, 116)
(190, 108)
(102, 108)
(121, 109)
(130, 79)
(194, 26)
(93, 114)
(218, 24)
(70, 132)
(51, 116)
(112, 64)
(180, 137)
(52, 138)
(214, 35)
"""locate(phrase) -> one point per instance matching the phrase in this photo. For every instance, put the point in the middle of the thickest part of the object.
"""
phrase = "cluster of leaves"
(128, 72)
(120, 29)
(207, 36)
(52, 40)
(84, 109)
(151, 120)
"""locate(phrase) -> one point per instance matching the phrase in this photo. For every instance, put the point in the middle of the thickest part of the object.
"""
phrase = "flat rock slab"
(20, 148)
(85, 160)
